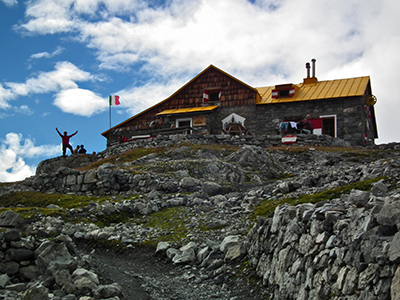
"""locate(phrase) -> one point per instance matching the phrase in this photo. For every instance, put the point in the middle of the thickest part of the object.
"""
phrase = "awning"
(187, 110)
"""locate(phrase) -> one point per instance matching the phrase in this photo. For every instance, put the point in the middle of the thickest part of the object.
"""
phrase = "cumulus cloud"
(5, 96)
(80, 102)
(69, 97)
(14, 150)
(64, 76)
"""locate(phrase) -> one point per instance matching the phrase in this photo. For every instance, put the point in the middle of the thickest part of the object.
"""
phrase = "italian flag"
(114, 100)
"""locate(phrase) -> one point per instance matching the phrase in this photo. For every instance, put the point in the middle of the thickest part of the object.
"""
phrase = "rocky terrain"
(177, 218)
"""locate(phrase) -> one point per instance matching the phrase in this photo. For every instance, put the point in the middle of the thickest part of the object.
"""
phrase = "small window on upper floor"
(212, 95)
(283, 91)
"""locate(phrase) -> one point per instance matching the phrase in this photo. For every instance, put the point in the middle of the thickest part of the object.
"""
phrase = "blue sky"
(61, 59)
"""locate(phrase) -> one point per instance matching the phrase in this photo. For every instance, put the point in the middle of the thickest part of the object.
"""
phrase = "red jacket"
(65, 138)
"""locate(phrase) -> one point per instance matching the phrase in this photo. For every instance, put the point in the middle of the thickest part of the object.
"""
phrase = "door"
(328, 126)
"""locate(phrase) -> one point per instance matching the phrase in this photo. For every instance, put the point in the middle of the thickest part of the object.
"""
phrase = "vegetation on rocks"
(267, 206)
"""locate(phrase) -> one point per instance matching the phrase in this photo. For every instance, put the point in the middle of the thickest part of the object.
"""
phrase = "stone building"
(215, 102)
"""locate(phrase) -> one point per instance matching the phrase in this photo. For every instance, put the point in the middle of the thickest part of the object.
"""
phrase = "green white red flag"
(114, 100)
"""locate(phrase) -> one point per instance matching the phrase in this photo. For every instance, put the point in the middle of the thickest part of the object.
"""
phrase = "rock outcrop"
(32, 268)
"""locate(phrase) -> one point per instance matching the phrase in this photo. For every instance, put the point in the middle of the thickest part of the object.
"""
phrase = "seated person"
(305, 125)
(82, 150)
(76, 150)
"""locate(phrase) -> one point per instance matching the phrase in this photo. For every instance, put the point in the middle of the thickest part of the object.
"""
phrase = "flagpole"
(109, 113)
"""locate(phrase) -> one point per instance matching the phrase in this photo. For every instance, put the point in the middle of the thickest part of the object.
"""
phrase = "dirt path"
(143, 275)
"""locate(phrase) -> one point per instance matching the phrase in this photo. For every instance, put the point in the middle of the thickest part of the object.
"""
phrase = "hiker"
(65, 141)
(82, 150)
(306, 125)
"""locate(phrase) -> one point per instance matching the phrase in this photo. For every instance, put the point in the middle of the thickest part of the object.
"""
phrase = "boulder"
(108, 291)
(389, 215)
(394, 250)
(11, 219)
(36, 292)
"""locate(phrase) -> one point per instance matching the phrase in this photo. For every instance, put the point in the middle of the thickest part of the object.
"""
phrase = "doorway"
(329, 125)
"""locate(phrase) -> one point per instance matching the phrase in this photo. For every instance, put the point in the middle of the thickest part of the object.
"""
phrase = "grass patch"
(266, 207)
(29, 204)
(172, 221)
(36, 199)
(29, 212)
(107, 220)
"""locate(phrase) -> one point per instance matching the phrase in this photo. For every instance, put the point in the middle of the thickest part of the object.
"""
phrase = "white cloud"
(5, 96)
(10, 3)
(24, 109)
(50, 17)
(69, 98)
(64, 76)
(58, 51)
(13, 152)
(80, 102)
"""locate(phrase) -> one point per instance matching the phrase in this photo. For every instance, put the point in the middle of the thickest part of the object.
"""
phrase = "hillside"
(224, 221)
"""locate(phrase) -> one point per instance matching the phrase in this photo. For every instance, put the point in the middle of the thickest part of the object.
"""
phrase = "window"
(212, 95)
(183, 122)
(283, 91)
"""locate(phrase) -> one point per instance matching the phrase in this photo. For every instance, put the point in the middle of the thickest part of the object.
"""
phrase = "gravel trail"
(143, 275)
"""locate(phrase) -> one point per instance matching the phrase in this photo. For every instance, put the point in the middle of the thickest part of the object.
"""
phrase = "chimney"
(308, 69)
(313, 67)
(313, 79)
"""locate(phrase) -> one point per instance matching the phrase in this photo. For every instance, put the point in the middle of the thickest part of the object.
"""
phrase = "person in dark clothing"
(308, 124)
(82, 150)
(305, 125)
(65, 141)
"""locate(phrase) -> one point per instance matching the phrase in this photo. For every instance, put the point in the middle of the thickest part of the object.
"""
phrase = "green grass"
(37, 199)
(267, 206)
(31, 203)
(170, 220)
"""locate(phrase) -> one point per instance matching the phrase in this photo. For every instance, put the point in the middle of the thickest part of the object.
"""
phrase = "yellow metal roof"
(186, 110)
(350, 87)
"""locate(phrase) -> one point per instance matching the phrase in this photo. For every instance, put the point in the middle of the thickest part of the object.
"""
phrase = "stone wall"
(262, 140)
(33, 268)
(265, 119)
(347, 248)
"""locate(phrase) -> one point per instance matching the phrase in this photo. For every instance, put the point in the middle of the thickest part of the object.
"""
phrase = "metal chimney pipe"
(313, 67)
(308, 69)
